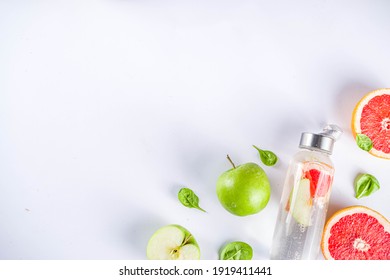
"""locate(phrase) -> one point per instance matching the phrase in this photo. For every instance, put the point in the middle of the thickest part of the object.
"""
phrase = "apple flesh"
(172, 242)
(300, 203)
(244, 190)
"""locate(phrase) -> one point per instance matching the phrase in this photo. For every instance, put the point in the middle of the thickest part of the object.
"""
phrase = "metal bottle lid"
(323, 141)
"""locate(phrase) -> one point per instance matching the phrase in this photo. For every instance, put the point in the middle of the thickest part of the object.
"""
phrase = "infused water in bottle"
(305, 197)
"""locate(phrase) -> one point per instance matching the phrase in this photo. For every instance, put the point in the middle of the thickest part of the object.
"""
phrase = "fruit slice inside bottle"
(314, 184)
(319, 182)
(300, 203)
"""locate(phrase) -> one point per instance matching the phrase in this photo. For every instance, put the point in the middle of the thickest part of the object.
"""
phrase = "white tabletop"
(108, 108)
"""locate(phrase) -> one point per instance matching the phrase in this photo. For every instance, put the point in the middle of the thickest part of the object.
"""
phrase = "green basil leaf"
(365, 184)
(364, 142)
(267, 157)
(236, 250)
(189, 199)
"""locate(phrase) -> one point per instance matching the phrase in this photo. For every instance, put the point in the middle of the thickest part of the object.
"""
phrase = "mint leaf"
(236, 250)
(267, 157)
(189, 199)
(365, 185)
(364, 142)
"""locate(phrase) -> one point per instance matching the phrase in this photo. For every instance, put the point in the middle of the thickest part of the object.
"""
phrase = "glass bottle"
(305, 197)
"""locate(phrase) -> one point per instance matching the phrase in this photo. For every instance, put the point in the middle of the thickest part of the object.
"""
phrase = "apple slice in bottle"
(300, 203)
(172, 242)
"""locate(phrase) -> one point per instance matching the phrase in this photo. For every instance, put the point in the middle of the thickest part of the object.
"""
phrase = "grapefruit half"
(371, 117)
(356, 233)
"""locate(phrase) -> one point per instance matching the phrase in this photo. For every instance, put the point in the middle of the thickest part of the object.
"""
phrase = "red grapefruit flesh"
(371, 117)
(319, 185)
(319, 182)
(356, 233)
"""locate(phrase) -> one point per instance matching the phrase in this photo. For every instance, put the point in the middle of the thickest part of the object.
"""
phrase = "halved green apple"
(172, 242)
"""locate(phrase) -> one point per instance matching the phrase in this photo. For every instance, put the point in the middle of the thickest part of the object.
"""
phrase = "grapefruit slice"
(319, 182)
(356, 233)
(371, 117)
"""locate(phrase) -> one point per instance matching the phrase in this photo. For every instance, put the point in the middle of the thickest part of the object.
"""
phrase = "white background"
(109, 107)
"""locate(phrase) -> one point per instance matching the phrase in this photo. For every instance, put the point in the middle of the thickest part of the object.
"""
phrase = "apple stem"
(230, 160)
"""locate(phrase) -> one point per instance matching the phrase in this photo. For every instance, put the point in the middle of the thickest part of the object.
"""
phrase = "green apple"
(301, 203)
(172, 242)
(244, 190)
